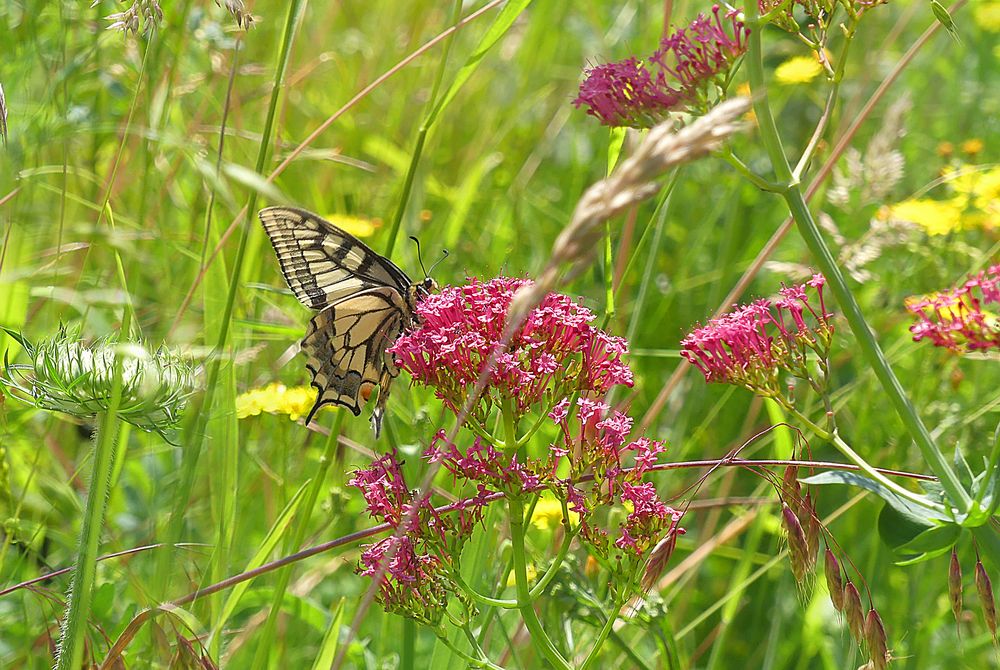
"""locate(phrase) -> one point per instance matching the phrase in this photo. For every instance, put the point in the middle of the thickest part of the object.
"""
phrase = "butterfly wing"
(322, 263)
(345, 345)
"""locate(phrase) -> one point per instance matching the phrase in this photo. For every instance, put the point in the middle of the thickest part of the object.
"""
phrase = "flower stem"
(828, 266)
(539, 638)
(69, 655)
(603, 635)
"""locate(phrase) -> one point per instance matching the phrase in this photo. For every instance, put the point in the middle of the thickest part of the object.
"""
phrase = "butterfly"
(364, 302)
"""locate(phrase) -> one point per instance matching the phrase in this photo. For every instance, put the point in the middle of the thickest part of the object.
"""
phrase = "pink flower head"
(555, 353)
(955, 319)
(750, 344)
(384, 489)
(412, 584)
(688, 63)
(648, 519)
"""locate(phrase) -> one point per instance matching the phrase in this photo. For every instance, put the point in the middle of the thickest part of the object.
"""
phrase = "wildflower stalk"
(792, 194)
(525, 605)
(603, 635)
(833, 437)
(69, 654)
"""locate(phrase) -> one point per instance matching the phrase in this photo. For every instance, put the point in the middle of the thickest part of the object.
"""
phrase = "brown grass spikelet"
(659, 557)
(790, 488)
(985, 589)
(875, 639)
(239, 11)
(798, 550)
(852, 611)
(633, 181)
(812, 530)
(955, 585)
(834, 580)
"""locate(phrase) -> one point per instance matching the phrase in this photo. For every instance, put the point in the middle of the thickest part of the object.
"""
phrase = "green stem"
(425, 127)
(557, 561)
(602, 636)
(727, 155)
(69, 655)
(828, 266)
(302, 518)
(539, 638)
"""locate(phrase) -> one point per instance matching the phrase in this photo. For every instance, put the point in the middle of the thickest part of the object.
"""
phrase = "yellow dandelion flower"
(978, 191)
(986, 15)
(744, 91)
(276, 399)
(937, 217)
(355, 225)
(972, 146)
(548, 513)
(798, 70)
(945, 149)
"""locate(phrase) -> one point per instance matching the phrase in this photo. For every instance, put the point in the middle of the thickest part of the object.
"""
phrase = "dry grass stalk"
(3, 116)
(633, 181)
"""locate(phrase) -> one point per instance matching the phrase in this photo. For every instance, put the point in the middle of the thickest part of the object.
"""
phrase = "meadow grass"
(130, 179)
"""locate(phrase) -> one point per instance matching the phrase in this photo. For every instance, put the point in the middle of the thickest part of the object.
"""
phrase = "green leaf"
(267, 546)
(898, 529)
(930, 543)
(962, 468)
(945, 19)
(328, 648)
(505, 19)
(616, 141)
(915, 513)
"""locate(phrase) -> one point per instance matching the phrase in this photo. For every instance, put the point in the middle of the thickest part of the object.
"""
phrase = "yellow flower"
(972, 146)
(937, 217)
(276, 399)
(945, 149)
(798, 70)
(978, 191)
(355, 225)
(986, 15)
(531, 574)
(548, 513)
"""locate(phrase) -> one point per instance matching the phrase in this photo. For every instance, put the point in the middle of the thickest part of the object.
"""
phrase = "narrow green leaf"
(274, 535)
(616, 140)
(915, 513)
(505, 19)
(938, 538)
(328, 648)
(945, 19)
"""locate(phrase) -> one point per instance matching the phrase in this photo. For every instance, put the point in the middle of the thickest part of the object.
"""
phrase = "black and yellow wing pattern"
(364, 302)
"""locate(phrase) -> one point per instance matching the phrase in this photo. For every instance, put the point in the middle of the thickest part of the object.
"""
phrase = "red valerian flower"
(955, 319)
(555, 353)
(680, 74)
(750, 344)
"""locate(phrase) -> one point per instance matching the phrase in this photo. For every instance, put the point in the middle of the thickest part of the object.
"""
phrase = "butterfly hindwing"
(345, 345)
(322, 263)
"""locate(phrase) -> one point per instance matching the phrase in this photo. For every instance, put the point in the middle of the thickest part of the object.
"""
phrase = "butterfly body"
(364, 302)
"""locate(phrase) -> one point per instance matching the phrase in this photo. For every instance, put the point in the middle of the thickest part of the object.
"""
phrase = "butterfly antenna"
(419, 259)
(444, 255)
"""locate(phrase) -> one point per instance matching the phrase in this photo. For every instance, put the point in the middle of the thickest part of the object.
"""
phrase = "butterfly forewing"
(322, 263)
(363, 300)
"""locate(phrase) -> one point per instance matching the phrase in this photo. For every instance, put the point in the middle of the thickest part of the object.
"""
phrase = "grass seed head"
(985, 589)
(875, 640)
(798, 550)
(955, 585)
(834, 580)
(853, 612)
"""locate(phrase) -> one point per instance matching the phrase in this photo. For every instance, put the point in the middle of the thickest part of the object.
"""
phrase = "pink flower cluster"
(413, 564)
(556, 351)
(689, 61)
(595, 442)
(750, 344)
(955, 319)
